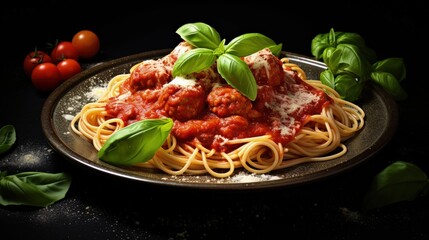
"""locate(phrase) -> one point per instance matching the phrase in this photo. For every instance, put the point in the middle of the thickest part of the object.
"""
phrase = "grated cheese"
(96, 93)
(183, 82)
(288, 104)
(243, 177)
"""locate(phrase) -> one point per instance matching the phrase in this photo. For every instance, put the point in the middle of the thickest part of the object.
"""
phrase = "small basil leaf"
(199, 35)
(238, 74)
(33, 188)
(327, 54)
(137, 142)
(321, 42)
(349, 38)
(348, 86)
(394, 66)
(358, 41)
(332, 59)
(400, 181)
(276, 49)
(248, 43)
(318, 45)
(332, 37)
(389, 83)
(347, 57)
(220, 49)
(7, 137)
(194, 60)
(328, 78)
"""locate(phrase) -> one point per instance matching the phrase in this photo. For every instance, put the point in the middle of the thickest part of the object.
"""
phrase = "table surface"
(100, 206)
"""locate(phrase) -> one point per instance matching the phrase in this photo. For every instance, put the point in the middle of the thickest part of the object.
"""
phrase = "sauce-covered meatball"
(225, 101)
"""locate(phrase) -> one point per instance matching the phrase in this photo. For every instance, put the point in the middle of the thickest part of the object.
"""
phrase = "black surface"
(98, 206)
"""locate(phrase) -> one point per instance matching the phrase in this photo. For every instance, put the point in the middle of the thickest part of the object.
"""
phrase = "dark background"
(104, 207)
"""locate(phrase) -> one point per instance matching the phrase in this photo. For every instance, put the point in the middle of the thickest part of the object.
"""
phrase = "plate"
(66, 100)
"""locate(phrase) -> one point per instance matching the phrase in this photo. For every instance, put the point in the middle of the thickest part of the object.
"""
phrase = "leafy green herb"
(38, 189)
(345, 83)
(235, 70)
(7, 137)
(137, 142)
(199, 35)
(325, 43)
(194, 60)
(209, 47)
(400, 181)
(350, 62)
(249, 43)
(389, 73)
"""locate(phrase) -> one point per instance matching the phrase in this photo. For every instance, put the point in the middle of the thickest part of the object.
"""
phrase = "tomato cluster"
(47, 70)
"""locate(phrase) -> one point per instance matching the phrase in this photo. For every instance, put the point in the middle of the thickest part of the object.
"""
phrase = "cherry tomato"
(46, 77)
(86, 43)
(68, 68)
(64, 50)
(34, 58)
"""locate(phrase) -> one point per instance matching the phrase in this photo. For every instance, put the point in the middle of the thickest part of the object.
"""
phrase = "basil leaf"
(348, 86)
(394, 66)
(347, 57)
(33, 188)
(318, 45)
(358, 41)
(332, 38)
(276, 49)
(389, 83)
(321, 42)
(137, 142)
(199, 35)
(349, 38)
(194, 60)
(220, 49)
(327, 54)
(328, 78)
(7, 137)
(400, 181)
(238, 74)
(248, 43)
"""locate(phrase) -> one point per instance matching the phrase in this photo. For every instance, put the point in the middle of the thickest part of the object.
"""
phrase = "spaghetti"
(318, 123)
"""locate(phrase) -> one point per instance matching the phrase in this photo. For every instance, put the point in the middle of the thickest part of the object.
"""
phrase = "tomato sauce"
(207, 110)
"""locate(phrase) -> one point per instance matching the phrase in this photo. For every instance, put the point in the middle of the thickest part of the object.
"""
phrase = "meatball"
(171, 58)
(182, 102)
(207, 78)
(149, 74)
(232, 125)
(266, 67)
(225, 101)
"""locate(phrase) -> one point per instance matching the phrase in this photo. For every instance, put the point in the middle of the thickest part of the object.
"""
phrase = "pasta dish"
(216, 129)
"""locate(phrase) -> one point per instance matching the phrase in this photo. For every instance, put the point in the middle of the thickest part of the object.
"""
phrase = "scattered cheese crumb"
(68, 116)
(243, 177)
(96, 93)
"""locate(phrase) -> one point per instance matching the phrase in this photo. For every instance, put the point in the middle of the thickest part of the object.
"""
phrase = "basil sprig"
(38, 189)
(209, 48)
(137, 142)
(350, 64)
(7, 137)
(400, 181)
